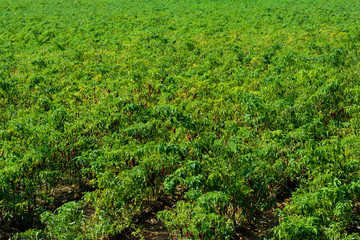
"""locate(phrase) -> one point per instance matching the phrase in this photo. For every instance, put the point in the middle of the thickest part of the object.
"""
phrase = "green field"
(220, 119)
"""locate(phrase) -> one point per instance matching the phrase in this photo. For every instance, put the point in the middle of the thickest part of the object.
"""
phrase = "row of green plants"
(225, 106)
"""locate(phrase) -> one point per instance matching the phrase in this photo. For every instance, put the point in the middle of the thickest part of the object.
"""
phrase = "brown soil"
(258, 228)
(355, 225)
(152, 227)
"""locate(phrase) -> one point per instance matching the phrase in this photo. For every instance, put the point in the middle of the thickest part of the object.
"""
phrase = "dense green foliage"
(225, 103)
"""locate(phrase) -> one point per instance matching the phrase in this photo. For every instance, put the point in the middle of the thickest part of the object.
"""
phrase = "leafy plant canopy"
(228, 110)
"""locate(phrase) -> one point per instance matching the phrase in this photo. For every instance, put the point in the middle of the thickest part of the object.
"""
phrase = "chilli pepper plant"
(228, 111)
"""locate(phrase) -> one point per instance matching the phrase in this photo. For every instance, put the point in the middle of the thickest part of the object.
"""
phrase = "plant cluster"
(228, 104)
